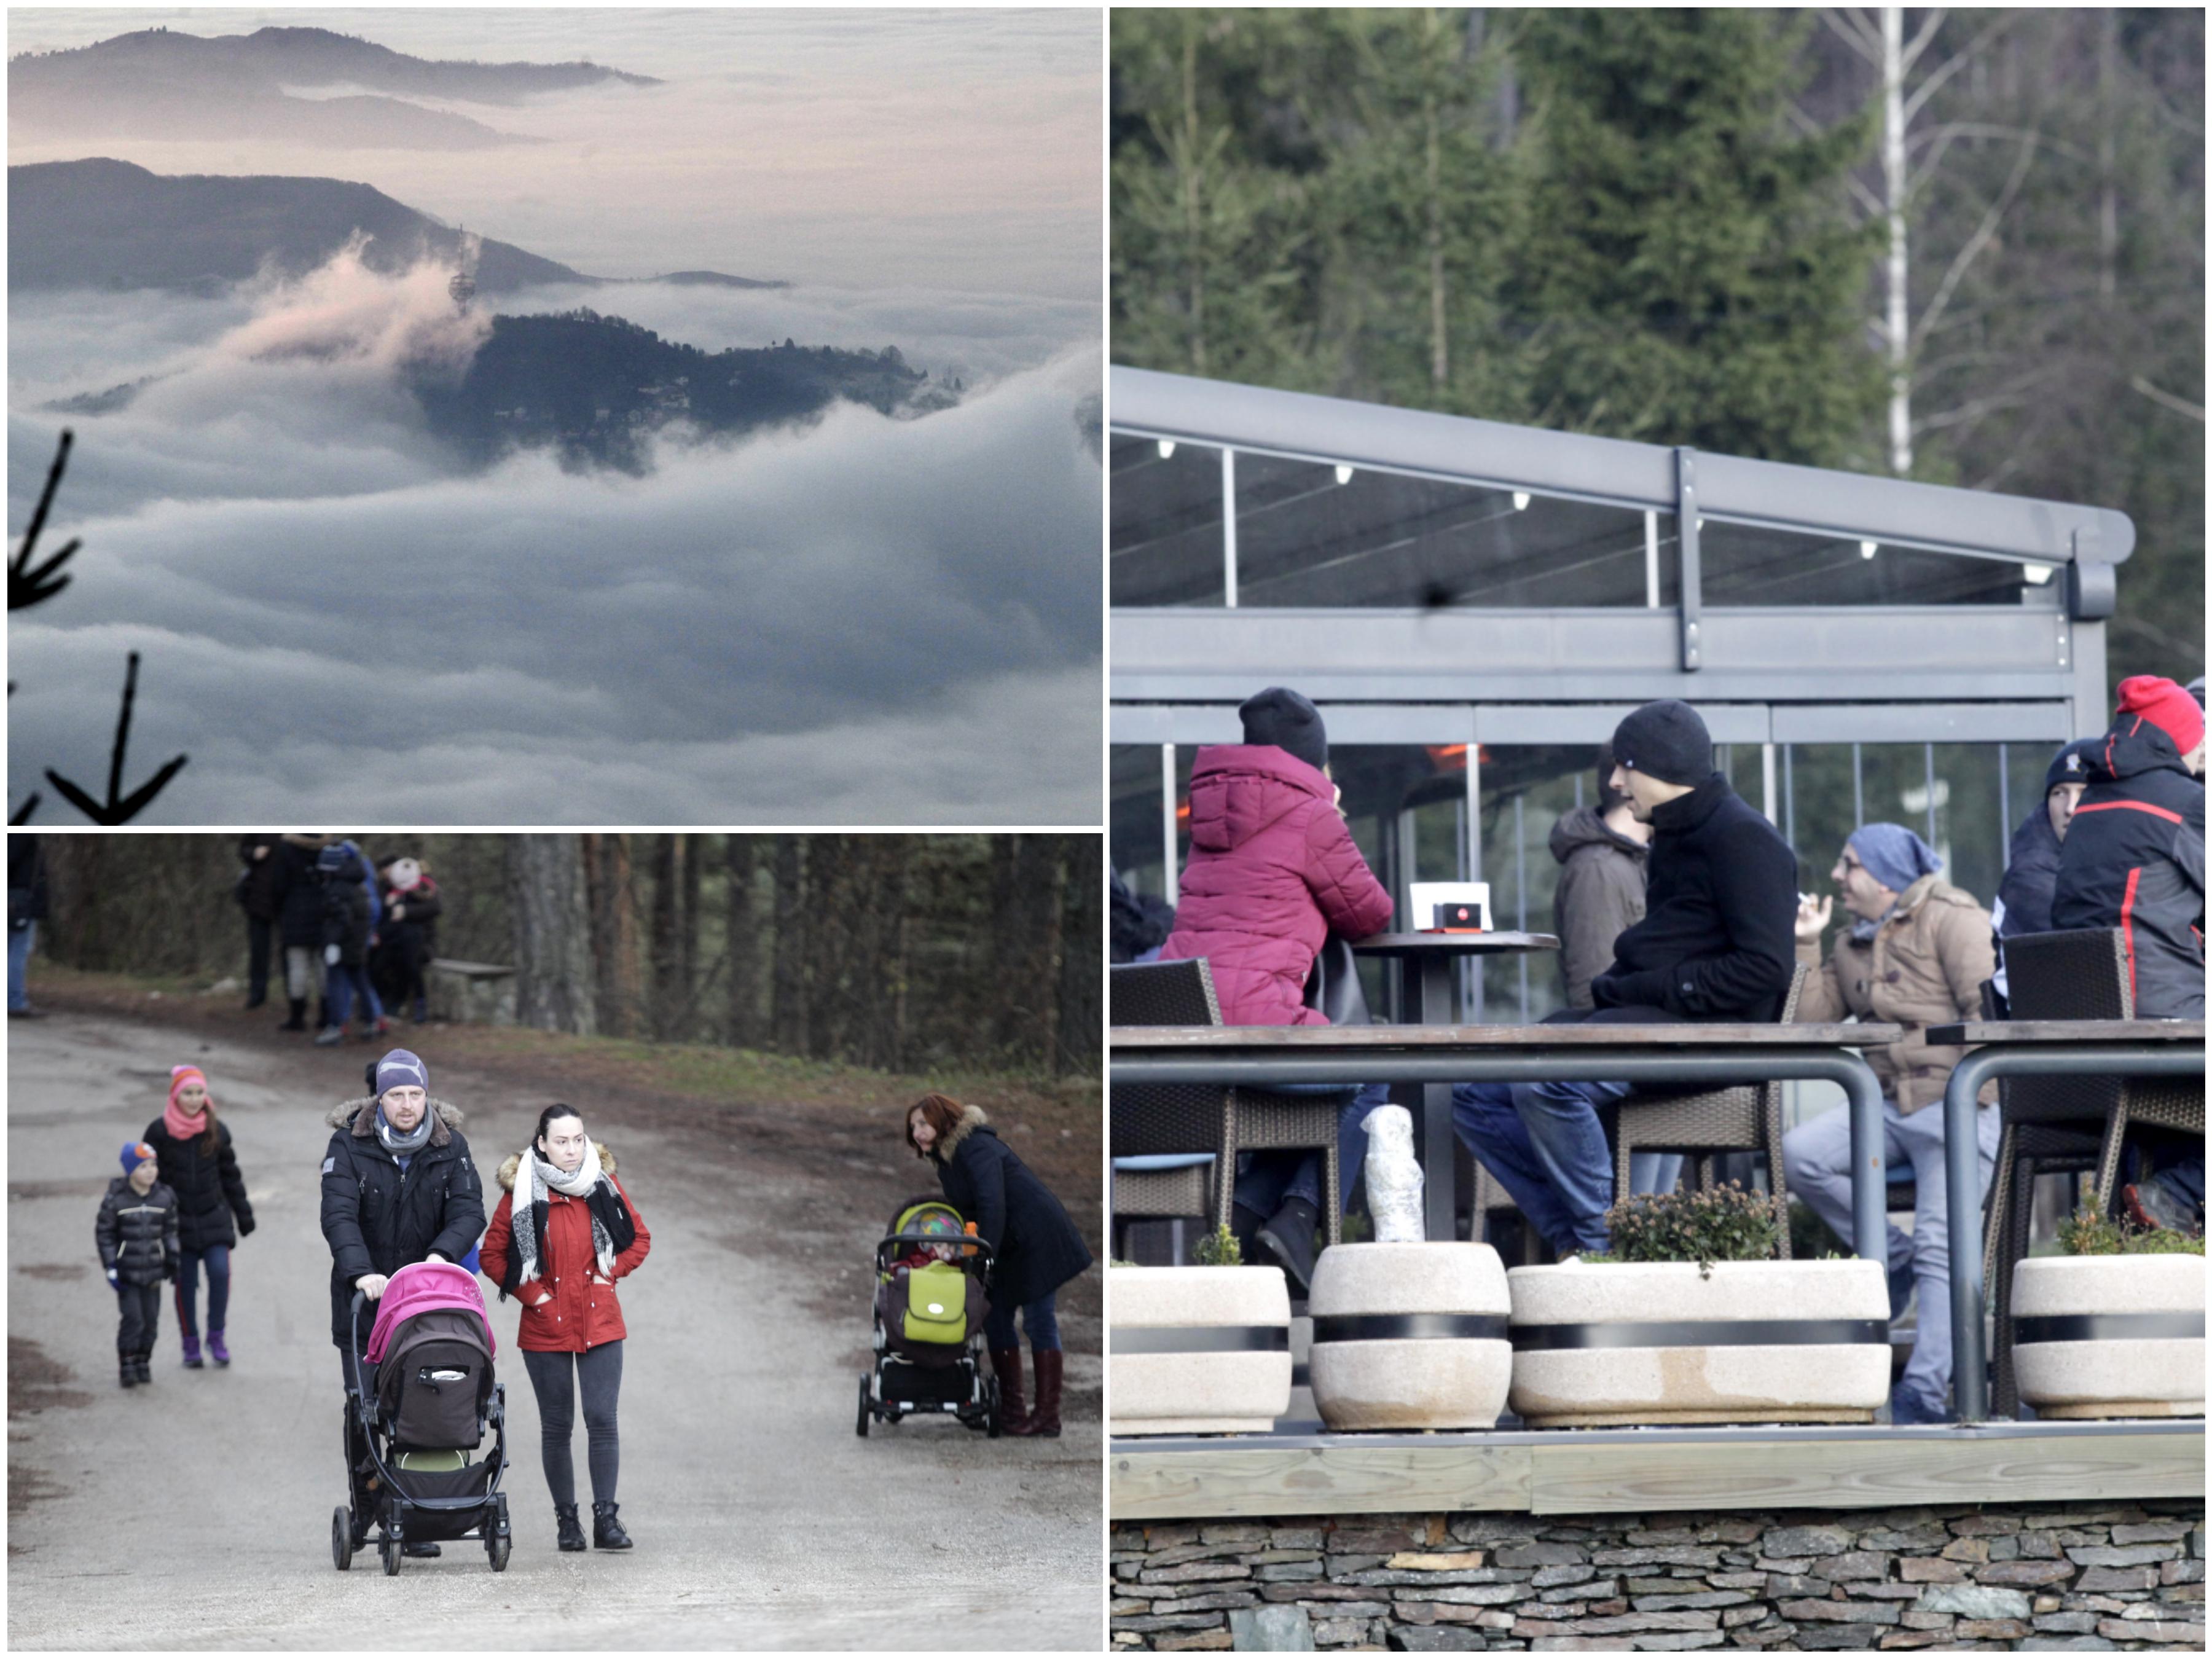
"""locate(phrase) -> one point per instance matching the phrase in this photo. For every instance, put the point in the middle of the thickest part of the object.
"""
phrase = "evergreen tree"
(1687, 274)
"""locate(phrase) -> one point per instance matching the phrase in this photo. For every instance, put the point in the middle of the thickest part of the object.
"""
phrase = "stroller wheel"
(991, 1409)
(860, 1426)
(499, 1542)
(340, 1539)
(387, 1551)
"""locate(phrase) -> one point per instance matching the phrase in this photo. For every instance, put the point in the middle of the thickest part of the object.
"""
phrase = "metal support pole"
(1858, 789)
(1229, 528)
(2004, 805)
(1962, 1170)
(1928, 751)
(1130, 1064)
(1170, 880)
(1686, 534)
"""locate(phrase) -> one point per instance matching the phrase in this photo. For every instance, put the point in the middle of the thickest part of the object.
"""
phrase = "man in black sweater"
(1717, 944)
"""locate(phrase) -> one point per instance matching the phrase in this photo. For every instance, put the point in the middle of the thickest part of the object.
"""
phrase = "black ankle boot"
(298, 1007)
(572, 1529)
(1288, 1236)
(126, 1366)
(1244, 1224)
(607, 1533)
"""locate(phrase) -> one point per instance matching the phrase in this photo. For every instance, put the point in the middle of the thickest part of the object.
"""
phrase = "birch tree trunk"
(549, 901)
(1082, 949)
(790, 1033)
(1896, 329)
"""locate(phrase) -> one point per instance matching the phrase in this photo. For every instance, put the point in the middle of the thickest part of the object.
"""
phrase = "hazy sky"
(861, 620)
(862, 149)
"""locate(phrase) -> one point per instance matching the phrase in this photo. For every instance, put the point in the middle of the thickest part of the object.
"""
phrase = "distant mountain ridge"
(166, 83)
(113, 225)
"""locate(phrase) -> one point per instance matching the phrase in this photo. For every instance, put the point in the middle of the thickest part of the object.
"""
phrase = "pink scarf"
(180, 1126)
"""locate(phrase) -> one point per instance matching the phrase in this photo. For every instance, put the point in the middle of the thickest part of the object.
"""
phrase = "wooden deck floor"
(1299, 1470)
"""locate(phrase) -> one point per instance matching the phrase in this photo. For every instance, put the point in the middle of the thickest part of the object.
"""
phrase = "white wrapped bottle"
(1393, 1176)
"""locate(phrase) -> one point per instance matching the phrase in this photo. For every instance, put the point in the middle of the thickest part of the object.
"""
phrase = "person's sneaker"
(1907, 1407)
(216, 1352)
(192, 1361)
(26, 1013)
(1900, 1291)
(326, 1037)
(127, 1371)
(2151, 1205)
(1287, 1235)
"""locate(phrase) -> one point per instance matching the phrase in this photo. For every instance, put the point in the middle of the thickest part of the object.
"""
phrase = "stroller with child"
(418, 1402)
(929, 1315)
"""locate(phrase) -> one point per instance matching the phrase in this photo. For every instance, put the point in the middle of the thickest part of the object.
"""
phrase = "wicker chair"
(1224, 1121)
(2055, 1124)
(1743, 1117)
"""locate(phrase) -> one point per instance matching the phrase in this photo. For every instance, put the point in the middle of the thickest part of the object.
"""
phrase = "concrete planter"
(1603, 1344)
(1410, 1336)
(1197, 1350)
(2107, 1335)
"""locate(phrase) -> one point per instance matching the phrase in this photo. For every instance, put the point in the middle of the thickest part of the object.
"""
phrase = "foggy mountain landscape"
(477, 485)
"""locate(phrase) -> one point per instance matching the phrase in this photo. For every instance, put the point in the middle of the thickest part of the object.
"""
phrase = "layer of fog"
(943, 149)
(895, 620)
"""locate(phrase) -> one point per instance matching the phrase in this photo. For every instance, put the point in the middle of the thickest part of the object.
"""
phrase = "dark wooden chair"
(1223, 1120)
(2056, 1124)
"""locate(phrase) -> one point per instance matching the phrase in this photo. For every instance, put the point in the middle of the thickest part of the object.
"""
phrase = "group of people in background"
(357, 934)
(1678, 902)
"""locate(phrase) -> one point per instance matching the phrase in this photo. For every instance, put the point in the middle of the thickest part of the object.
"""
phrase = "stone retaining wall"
(2088, 1576)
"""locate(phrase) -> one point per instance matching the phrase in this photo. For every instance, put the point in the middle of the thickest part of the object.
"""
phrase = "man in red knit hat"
(2133, 859)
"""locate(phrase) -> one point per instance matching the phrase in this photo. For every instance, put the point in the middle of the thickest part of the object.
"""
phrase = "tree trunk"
(667, 998)
(549, 901)
(1027, 937)
(790, 1023)
(614, 934)
(1896, 329)
(1439, 356)
(687, 942)
(1192, 208)
(742, 944)
(1082, 1003)
(827, 926)
(2108, 201)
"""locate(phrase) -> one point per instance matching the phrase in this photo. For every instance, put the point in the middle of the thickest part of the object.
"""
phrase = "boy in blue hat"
(137, 1233)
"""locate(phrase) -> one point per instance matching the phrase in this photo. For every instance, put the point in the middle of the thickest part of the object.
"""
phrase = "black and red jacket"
(2133, 859)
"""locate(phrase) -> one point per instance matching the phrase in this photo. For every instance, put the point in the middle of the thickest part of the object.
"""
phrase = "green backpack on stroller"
(929, 1308)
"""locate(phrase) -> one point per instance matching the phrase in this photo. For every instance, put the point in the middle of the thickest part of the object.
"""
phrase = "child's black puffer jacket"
(137, 1233)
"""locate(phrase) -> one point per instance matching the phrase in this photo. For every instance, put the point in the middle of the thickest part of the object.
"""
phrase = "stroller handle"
(967, 1243)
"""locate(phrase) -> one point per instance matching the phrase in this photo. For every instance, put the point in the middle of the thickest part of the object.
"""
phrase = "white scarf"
(532, 1179)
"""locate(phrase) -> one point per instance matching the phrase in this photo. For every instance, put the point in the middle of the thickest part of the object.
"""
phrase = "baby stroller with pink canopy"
(418, 1402)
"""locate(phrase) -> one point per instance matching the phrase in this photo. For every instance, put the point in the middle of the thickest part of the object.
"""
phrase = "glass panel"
(1968, 829)
(1544, 783)
(1308, 536)
(1421, 788)
(1750, 565)
(1134, 824)
(1166, 547)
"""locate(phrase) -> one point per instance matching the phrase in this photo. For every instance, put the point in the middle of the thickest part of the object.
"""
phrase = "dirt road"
(761, 1520)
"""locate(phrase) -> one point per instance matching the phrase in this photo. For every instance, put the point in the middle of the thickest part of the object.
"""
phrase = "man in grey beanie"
(1717, 944)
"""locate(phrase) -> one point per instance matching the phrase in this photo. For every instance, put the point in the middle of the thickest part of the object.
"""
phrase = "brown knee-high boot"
(1007, 1366)
(1046, 1419)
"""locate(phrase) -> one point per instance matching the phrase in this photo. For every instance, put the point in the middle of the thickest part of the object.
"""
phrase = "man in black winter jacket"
(2023, 903)
(1717, 943)
(2133, 857)
(399, 1188)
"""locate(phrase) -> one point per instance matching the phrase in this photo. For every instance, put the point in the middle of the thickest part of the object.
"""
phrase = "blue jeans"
(1266, 1180)
(1038, 1319)
(343, 983)
(19, 965)
(218, 1257)
(1816, 1156)
(1544, 1143)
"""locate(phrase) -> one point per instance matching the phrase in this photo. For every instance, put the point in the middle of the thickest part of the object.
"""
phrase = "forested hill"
(107, 224)
(595, 387)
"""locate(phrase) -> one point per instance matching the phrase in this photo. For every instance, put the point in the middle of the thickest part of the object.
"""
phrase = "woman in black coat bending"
(1035, 1248)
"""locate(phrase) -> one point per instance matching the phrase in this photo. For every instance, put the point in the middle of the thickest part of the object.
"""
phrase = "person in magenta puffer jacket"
(1273, 870)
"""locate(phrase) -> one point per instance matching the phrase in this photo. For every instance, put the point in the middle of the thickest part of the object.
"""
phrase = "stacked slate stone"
(2086, 1578)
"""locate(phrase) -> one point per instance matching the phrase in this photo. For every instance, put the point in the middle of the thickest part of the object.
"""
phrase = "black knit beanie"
(2071, 763)
(1666, 740)
(1281, 717)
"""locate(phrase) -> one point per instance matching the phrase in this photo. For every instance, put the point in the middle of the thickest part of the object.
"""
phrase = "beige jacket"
(1923, 967)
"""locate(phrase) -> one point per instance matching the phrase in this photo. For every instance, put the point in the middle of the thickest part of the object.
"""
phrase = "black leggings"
(554, 1382)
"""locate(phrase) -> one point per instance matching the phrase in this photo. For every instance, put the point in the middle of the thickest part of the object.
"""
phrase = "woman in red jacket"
(1273, 870)
(560, 1251)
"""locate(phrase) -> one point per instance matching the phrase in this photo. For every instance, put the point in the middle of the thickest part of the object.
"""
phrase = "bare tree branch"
(1983, 234)
(1918, 43)
(1957, 61)
(1854, 33)
(27, 587)
(2166, 399)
